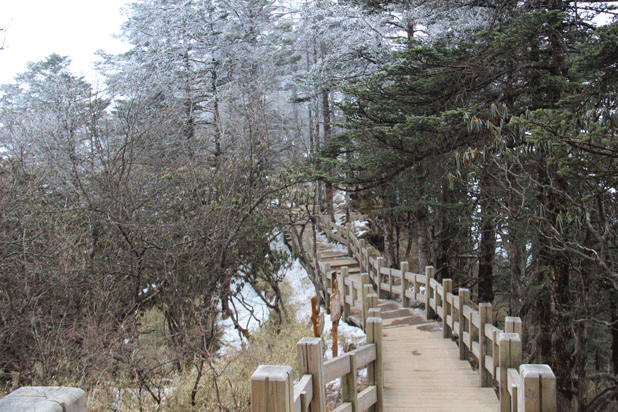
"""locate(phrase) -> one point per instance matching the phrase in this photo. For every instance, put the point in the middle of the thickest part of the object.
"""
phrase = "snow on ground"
(360, 227)
(322, 240)
(297, 278)
(231, 338)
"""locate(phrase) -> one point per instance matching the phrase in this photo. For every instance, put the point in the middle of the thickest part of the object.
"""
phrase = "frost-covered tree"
(49, 119)
(179, 61)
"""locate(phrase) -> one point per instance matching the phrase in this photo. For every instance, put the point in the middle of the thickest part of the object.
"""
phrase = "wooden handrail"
(523, 388)
(272, 388)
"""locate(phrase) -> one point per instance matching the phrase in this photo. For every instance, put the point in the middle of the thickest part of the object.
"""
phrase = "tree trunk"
(513, 249)
(554, 266)
(390, 255)
(217, 119)
(614, 329)
(581, 360)
(328, 192)
(487, 244)
(422, 233)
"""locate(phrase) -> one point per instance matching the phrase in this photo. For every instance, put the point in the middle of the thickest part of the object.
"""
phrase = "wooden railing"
(499, 352)
(522, 387)
(354, 293)
(272, 388)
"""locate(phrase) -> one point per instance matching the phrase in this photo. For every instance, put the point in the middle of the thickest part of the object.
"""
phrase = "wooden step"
(332, 254)
(337, 263)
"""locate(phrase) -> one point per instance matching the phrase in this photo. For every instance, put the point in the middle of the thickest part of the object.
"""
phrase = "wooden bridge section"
(413, 362)
(422, 371)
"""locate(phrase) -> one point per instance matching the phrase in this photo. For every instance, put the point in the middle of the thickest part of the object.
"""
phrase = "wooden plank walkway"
(422, 371)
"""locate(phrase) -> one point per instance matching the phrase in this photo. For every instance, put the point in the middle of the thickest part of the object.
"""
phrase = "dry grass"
(224, 384)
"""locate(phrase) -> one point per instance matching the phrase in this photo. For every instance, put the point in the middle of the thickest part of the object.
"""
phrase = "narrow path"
(422, 371)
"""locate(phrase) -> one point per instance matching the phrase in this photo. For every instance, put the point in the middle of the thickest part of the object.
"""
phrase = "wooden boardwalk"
(410, 365)
(422, 371)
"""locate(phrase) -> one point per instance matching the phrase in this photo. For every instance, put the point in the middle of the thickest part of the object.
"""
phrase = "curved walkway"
(422, 371)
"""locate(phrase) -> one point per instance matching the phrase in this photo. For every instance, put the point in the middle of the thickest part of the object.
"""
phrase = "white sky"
(73, 28)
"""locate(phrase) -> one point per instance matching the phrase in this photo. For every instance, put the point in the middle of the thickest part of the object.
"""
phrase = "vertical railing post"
(375, 370)
(374, 311)
(366, 257)
(447, 286)
(327, 229)
(349, 242)
(327, 282)
(349, 384)
(405, 285)
(486, 316)
(364, 292)
(510, 357)
(378, 279)
(464, 299)
(345, 291)
(359, 255)
(538, 389)
(513, 325)
(417, 286)
(430, 272)
(272, 389)
(310, 361)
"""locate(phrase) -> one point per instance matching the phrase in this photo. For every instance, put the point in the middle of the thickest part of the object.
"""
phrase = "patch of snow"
(418, 312)
(360, 227)
(347, 334)
(297, 278)
(339, 198)
(251, 321)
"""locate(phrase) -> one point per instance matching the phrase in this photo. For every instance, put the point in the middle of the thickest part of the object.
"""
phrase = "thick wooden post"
(378, 279)
(405, 285)
(364, 292)
(326, 281)
(447, 286)
(365, 256)
(349, 384)
(417, 286)
(464, 299)
(513, 325)
(360, 252)
(345, 291)
(430, 272)
(349, 241)
(510, 357)
(326, 223)
(310, 361)
(375, 370)
(374, 311)
(369, 292)
(538, 389)
(485, 345)
(272, 389)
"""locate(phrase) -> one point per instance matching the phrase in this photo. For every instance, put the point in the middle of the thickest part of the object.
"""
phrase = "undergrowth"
(223, 384)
